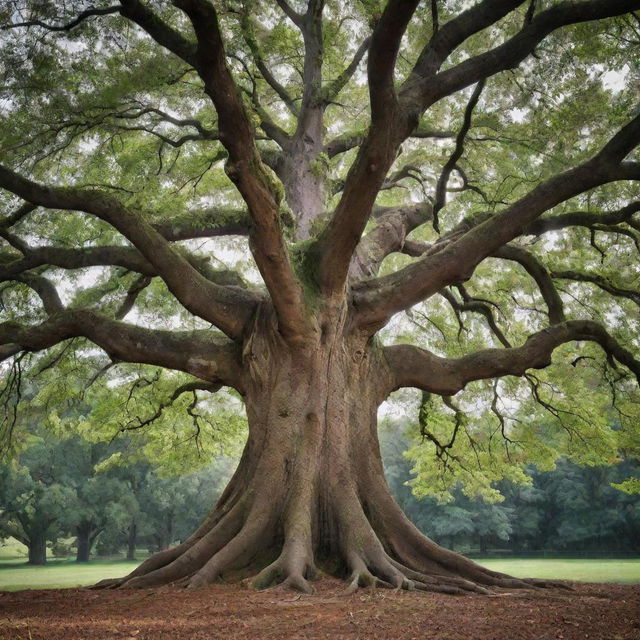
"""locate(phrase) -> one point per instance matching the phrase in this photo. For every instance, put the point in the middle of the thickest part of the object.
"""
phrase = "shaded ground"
(593, 611)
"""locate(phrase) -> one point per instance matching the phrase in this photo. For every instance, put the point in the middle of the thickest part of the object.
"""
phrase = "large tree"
(499, 132)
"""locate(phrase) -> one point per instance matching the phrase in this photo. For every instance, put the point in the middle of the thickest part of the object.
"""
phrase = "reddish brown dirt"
(592, 611)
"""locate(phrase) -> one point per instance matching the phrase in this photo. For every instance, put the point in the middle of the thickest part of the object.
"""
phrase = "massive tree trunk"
(309, 492)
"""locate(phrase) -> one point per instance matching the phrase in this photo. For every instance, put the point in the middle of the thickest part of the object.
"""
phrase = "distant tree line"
(59, 489)
(571, 509)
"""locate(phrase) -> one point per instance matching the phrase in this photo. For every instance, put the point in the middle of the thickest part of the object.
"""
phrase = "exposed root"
(375, 544)
(294, 568)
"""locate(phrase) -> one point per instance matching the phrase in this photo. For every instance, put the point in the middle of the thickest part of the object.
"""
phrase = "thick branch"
(423, 89)
(17, 215)
(228, 309)
(383, 52)
(45, 290)
(377, 153)
(246, 170)
(196, 352)
(455, 32)
(294, 16)
(161, 32)
(415, 367)
(388, 236)
(378, 299)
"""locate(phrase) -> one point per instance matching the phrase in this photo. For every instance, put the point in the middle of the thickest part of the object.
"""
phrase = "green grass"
(60, 573)
(582, 570)
(15, 574)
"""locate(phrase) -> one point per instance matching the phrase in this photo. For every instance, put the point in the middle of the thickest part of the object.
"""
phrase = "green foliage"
(568, 509)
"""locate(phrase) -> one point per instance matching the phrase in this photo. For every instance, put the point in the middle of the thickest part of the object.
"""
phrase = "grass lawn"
(15, 574)
(581, 569)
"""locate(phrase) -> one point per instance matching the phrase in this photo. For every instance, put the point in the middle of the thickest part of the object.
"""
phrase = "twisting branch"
(69, 25)
(415, 367)
(476, 306)
(600, 282)
(441, 187)
(189, 387)
(443, 450)
(541, 276)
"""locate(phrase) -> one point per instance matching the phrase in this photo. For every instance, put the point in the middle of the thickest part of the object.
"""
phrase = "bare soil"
(591, 611)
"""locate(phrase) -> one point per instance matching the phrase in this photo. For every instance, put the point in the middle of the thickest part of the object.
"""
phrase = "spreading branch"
(199, 353)
(378, 299)
(425, 87)
(415, 367)
(67, 26)
(541, 276)
(600, 281)
(375, 155)
(441, 186)
(245, 169)
(227, 308)
(330, 91)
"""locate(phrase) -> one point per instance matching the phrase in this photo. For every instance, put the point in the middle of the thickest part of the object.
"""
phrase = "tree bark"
(38, 548)
(309, 492)
(132, 539)
(83, 540)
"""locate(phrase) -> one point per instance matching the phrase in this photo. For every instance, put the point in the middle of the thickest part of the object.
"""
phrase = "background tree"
(566, 510)
(134, 133)
(34, 498)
